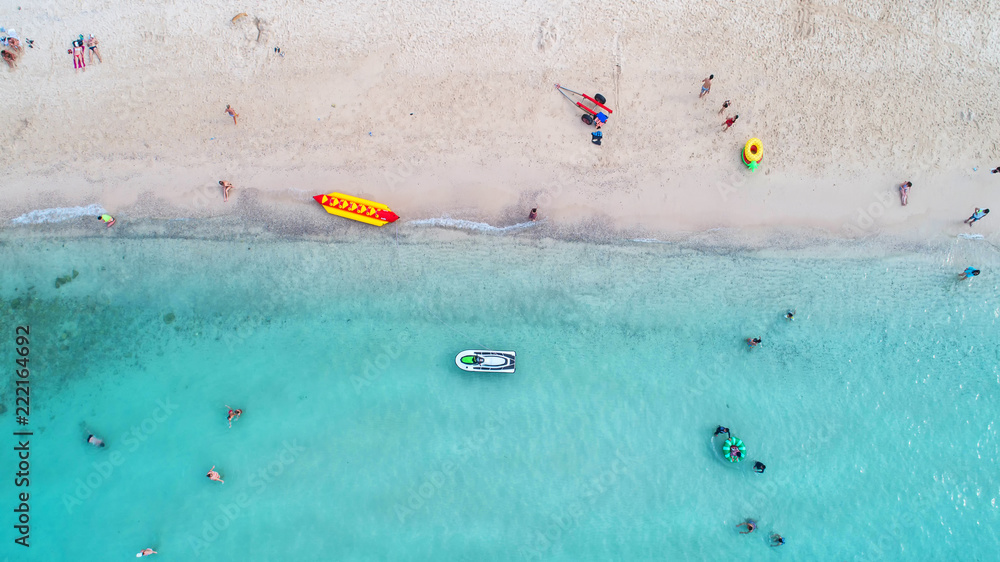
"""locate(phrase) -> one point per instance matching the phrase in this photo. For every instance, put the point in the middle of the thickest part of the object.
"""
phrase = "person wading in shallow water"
(234, 415)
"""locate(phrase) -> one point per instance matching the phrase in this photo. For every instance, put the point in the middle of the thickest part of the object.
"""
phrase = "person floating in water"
(146, 552)
(93, 440)
(212, 474)
(758, 467)
(969, 273)
(753, 342)
(777, 540)
(790, 315)
(233, 415)
(750, 525)
(720, 430)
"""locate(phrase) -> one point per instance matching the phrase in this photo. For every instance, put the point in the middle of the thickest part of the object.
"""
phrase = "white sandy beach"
(448, 108)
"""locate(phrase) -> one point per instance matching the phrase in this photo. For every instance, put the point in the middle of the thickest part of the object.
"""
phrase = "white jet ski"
(486, 361)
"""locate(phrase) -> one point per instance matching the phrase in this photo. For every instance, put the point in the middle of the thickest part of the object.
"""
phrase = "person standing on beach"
(226, 186)
(706, 86)
(533, 215)
(92, 44)
(904, 192)
(108, 219)
(232, 113)
(977, 215)
(213, 475)
(729, 123)
(725, 106)
(969, 273)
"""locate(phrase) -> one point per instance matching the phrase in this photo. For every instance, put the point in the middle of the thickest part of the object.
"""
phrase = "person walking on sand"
(725, 106)
(969, 273)
(750, 525)
(213, 475)
(706, 86)
(92, 44)
(729, 123)
(977, 215)
(108, 219)
(226, 186)
(904, 192)
(146, 552)
(232, 113)
(533, 215)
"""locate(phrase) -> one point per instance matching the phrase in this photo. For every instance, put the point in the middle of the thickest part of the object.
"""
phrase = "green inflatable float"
(734, 449)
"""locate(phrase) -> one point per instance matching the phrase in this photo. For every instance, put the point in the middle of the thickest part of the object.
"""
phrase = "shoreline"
(250, 220)
(450, 111)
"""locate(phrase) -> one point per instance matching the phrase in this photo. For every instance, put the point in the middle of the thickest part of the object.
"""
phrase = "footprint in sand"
(804, 25)
(548, 36)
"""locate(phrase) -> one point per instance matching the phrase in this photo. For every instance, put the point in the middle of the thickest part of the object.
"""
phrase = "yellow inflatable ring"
(753, 151)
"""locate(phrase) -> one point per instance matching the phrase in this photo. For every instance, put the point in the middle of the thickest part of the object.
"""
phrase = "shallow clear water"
(874, 410)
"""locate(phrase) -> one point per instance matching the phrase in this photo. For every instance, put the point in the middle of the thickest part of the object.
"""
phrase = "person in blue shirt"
(968, 273)
(977, 215)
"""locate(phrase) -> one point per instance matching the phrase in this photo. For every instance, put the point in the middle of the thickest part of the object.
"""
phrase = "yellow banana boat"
(355, 208)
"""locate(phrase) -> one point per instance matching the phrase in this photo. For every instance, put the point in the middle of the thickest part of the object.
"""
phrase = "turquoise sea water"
(874, 410)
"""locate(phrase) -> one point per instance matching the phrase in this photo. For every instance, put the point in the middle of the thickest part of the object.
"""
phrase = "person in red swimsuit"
(234, 415)
(729, 122)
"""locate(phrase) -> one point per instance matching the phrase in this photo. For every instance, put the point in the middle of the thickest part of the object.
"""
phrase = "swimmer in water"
(720, 430)
(234, 415)
(759, 467)
(95, 441)
(753, 342)
(146, 552)
(750, 525)
(777, 540)
(790, 315)
(212, 474)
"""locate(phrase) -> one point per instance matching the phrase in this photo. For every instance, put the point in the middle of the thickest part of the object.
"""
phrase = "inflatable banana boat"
(355, 208)
(485, 361)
